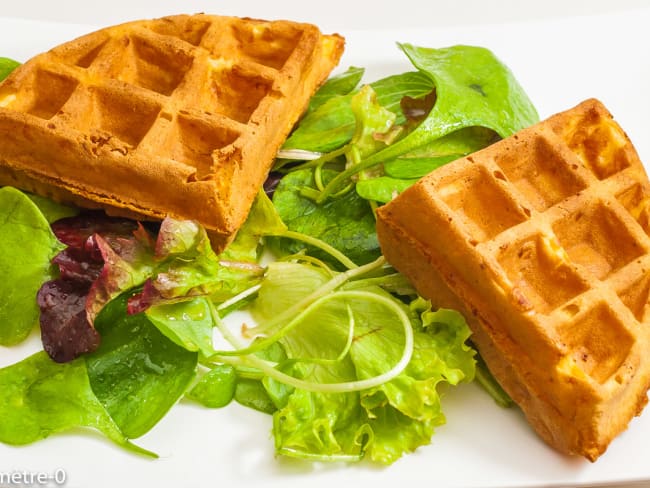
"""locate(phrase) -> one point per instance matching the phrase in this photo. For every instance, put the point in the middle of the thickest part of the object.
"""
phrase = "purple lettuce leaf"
(65, 330)
(104, 257)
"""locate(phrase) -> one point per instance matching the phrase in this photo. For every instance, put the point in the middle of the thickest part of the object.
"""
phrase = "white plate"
(559, 63)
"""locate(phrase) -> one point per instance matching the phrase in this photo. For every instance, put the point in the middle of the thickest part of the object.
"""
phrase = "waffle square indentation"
(123, 114)
(189, 30)
(600, 144)
(155, 68)
(236, 93)
(196, 142)
(540, 274)
(467, 195)
(49, 92)
(636, 297)
(598, 342)
(636, 200)
(597, 239)
(264, 44)
(540, 174)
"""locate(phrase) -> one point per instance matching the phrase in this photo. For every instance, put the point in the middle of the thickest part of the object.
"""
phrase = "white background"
(348, 14)
(557, 65)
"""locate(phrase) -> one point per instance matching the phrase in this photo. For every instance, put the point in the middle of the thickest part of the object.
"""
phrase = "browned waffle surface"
(542, 240)
(177, 116)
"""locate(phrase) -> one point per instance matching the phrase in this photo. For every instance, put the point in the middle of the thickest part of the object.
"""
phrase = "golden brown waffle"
(542, 240)
(177, 116)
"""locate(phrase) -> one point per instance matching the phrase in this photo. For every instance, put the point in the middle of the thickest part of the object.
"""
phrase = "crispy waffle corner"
(177, 116)
(542, 240)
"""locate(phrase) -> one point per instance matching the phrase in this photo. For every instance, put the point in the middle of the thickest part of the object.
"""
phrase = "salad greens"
(461, 99)
(26, 248)
(137, 373)
(345, 356)
(7, 65)
(40, 397)
(327, 349)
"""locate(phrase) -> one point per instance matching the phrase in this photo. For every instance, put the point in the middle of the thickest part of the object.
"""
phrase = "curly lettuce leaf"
(104, 257)
(187, 267)
(27, 245)
(40, 397)
(372, 123)
(384, 422)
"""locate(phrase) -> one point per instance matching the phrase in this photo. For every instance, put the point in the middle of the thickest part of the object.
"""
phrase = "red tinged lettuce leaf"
(65, 330)
(104, 257)
(107, 256)
(75, 231)
(188, 267)
(128, 262)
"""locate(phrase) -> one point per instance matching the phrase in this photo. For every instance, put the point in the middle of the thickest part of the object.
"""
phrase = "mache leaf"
(187, 323)
(137, 373)
(39, 397)
(27, 245)
(216, 388)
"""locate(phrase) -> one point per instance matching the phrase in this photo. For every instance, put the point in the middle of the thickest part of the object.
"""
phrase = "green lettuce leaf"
(7, 65)
(384, 422)
(383, 188)
(27, 245)
(40, 397)
(51, 210)
(187, 324)
(216, 388)
(473, 88)
(346, 223)
(424, 159)
(332, 124)
(137, 373)
(341, 84)
(262, 220)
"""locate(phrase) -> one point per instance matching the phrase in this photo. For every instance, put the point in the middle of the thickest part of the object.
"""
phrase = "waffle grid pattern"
(544, 238)
(155, 67)
(200, 95)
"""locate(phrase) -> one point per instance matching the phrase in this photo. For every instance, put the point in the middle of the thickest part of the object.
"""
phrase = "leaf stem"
(345, 386)
(313, 241)
(325, 158)
(241, 296)
(327, 287)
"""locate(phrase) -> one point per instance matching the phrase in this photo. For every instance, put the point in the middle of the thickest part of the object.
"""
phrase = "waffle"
(542, 241)
(178, 116)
